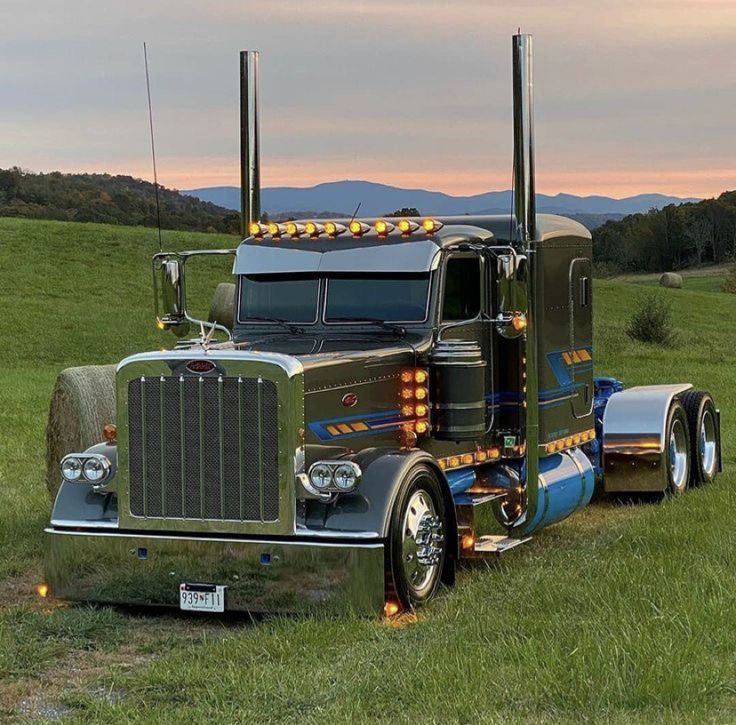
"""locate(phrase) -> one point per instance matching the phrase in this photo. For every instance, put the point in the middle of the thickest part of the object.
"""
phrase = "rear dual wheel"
(705, 441)
(693, 442)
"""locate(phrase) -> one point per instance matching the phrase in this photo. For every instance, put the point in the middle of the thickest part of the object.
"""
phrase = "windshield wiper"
(398, 329)
(292, 327)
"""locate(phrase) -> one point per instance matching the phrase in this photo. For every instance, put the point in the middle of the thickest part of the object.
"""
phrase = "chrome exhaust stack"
(525, 207)
(250, 161)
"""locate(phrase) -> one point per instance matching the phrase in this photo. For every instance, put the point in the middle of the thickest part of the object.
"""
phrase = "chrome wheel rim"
(708, 444)
(678, 455)
(422, 543)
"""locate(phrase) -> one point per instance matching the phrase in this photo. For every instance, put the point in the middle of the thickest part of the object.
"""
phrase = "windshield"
(292, 298)
(394, 298)
(349, 297)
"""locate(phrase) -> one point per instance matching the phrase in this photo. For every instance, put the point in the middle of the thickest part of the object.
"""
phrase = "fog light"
(95, 469)
(320, 476)
(346, 477)
(71, 468)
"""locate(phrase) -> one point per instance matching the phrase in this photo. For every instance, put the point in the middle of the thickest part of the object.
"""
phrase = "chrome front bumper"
(261, 575)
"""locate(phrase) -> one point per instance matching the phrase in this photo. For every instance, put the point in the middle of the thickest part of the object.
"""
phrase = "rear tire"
(677, 442)
(705, 441)
(417, 538)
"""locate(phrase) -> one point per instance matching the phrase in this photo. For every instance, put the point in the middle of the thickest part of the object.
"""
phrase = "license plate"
(202, 597)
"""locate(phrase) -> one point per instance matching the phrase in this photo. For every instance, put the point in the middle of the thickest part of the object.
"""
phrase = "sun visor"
(419, 256)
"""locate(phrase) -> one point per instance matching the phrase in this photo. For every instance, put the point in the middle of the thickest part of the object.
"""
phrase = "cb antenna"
(153, 150)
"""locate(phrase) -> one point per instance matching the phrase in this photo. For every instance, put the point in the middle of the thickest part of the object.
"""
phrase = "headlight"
(334, 476)
(320, 476)
(91, 468)
(71, 468)
(95, 469)
(346, 477)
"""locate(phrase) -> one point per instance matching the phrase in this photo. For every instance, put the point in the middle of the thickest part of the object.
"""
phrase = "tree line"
(674, 237)
(107, 199)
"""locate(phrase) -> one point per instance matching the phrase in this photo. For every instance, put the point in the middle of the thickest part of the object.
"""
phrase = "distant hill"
(107, 199)
(378, 199)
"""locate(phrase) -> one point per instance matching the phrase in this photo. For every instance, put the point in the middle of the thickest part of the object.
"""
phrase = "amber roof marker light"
(432, 225)
(358, 228)
(407, 226)
(383, 227)
(334, 229)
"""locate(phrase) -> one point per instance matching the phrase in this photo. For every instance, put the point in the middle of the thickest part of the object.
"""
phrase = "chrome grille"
(203, 448)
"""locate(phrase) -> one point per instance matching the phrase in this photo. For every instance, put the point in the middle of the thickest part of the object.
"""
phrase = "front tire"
(704, 436)
(417, 538)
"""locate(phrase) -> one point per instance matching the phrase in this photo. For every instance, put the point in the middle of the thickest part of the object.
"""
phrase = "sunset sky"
(630, 96)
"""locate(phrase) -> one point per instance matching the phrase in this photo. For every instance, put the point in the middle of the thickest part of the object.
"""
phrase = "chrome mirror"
(511, 295)
(169, 293)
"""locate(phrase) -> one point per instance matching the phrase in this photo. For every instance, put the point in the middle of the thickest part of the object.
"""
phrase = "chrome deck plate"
(498, 544)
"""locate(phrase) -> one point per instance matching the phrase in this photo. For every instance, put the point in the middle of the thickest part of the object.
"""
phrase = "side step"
(497, 544)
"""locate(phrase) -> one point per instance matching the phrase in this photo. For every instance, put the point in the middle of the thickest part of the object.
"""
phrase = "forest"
(671, 238)
(107, 199)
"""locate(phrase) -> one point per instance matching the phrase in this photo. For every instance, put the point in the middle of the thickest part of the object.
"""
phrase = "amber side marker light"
(518, 322)
(42, 590)
(391, 609)
(468, 542)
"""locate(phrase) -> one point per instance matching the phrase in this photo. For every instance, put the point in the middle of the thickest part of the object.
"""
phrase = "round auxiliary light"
(421, 411)
(420, 376)
(320, 476)
(407, 226)
(357, 228)
(421, 427)
(420, 393)
(346, 477)
(432, 225)
(383, 227)
(71, 468)
(95, 469)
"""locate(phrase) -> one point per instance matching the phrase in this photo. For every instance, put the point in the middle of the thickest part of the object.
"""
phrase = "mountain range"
(342, 198)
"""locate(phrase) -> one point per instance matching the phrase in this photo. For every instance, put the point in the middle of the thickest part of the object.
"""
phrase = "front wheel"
(417, 543)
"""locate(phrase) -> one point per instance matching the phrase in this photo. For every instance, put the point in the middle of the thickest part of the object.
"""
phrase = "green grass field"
(621, 614)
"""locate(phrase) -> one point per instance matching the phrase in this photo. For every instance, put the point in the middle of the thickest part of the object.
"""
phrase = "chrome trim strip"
(290, 365)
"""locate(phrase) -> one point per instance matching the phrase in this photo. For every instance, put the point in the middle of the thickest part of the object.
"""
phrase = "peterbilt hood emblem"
(349, 400)
(200, 367)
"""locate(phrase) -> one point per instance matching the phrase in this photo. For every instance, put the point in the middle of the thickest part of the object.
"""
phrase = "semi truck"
(383, 399)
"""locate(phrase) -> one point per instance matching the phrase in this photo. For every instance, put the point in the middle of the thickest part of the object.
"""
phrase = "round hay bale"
(671, 280)
(222, 309)
(82, 402)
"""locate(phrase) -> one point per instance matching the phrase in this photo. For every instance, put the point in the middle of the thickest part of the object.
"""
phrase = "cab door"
(581, 336)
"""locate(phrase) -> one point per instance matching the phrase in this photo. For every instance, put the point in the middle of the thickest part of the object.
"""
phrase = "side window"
(462, 289)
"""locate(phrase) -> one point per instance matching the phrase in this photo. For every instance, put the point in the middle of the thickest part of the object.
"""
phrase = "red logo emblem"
(200, 366)
(349, 400)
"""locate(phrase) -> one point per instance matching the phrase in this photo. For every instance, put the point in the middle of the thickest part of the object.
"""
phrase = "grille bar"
(203, 448)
